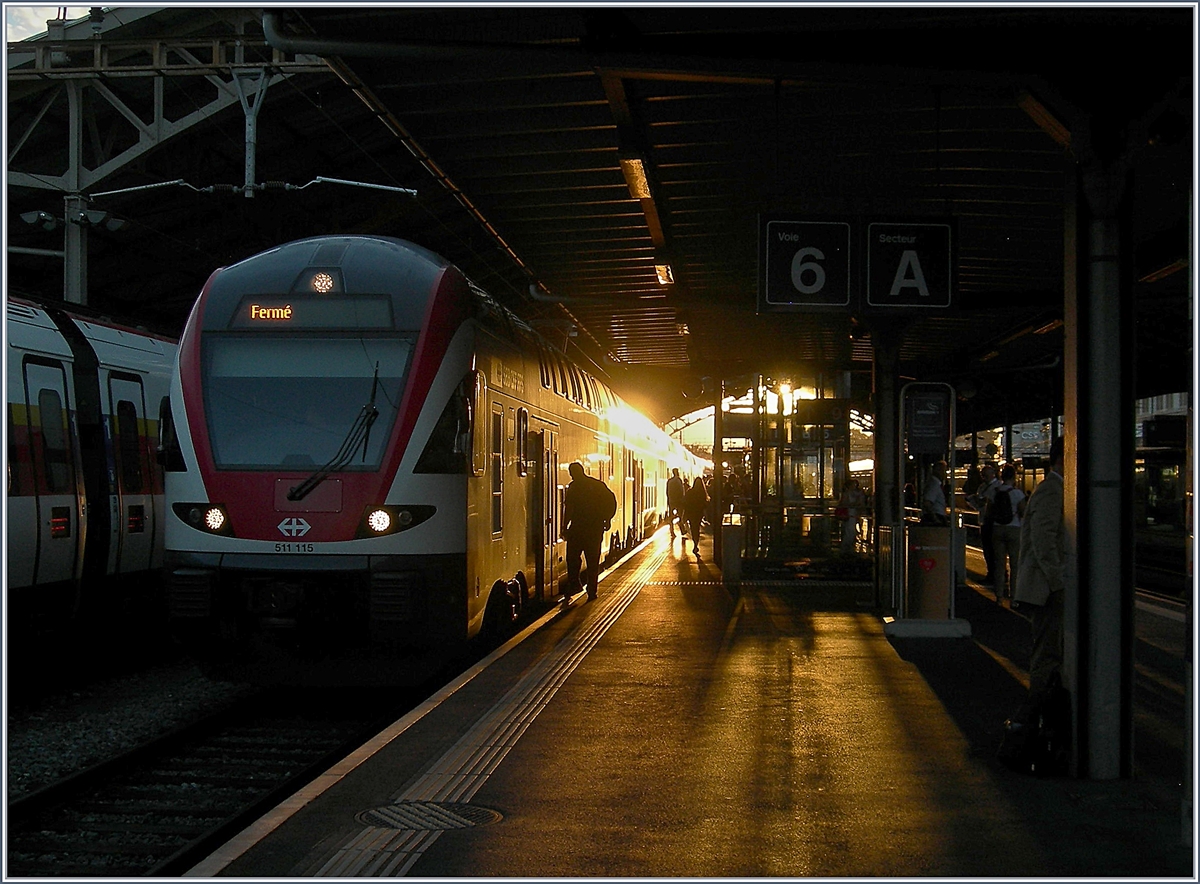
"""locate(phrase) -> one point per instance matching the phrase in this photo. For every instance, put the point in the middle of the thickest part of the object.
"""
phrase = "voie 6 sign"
(803, 264)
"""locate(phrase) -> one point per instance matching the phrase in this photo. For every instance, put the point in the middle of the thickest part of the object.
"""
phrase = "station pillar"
(1099, 446)
(888, 514)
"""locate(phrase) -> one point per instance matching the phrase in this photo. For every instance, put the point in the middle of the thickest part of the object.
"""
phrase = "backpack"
(1002, 508)
(612, 502)
(1037, 739)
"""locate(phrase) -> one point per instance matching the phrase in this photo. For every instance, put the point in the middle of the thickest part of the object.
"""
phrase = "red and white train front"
(314, 482)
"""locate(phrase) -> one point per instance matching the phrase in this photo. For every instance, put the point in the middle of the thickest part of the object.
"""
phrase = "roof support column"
(717, 492)
(887, 339)
(251, 105)
(1099, 407)
(74, 231)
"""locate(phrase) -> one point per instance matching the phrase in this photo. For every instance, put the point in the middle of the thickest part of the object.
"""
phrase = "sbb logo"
(294, 527)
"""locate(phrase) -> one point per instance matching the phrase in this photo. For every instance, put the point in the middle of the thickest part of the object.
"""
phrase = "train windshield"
(275, 403)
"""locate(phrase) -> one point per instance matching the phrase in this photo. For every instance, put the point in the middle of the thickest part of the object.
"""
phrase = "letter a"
(903, 280)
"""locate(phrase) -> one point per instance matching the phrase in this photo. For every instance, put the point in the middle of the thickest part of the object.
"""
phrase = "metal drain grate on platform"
(428, 816)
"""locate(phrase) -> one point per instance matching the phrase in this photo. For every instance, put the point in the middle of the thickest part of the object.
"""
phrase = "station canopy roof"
(526, 132)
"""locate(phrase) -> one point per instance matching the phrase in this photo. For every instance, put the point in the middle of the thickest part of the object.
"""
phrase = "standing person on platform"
(1041, 573)
(693, 510)
(588, 509)
(982, 501)
(1007, 506)
(933, 499)
(675, 501)
(849, 509)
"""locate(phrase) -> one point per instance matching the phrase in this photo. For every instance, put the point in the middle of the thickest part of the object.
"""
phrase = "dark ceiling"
(511, 124)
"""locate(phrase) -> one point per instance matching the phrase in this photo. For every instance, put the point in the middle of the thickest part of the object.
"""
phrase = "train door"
(639, 492)
(22, 500)
(132, 505)
(59, 499)
(544, 443)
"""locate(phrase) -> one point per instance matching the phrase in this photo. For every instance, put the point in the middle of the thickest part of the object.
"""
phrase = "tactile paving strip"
(390, 849)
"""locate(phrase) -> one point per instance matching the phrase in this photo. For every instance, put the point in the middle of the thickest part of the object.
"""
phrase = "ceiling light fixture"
(634, 170)
(664, 274)
(1046, 121)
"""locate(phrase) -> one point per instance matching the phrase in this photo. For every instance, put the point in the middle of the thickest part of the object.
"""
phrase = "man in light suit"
(1041, 571)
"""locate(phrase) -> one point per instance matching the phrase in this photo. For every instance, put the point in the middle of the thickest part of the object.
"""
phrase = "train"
(367, 453)
(1162, 511)
(85, 489)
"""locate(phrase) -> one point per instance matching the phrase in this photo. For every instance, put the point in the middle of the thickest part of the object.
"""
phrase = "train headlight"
(392, 519)
(211, 518)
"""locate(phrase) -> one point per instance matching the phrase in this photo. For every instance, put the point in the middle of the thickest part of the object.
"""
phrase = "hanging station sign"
(908, 265)
(825, 265)
(803, 264)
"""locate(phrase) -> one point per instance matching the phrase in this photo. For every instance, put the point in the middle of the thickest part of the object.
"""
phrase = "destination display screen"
(313, 311)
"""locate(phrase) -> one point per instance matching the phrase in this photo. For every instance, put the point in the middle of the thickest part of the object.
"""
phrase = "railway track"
(158, 809)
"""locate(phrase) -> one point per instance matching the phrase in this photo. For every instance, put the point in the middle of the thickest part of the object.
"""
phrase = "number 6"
(799, 266)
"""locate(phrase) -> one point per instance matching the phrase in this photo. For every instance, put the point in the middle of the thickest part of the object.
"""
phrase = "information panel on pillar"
(927, 419)
(804, 264)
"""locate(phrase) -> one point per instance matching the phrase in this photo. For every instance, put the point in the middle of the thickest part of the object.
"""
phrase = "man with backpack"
(588, 509)
(1007, 506)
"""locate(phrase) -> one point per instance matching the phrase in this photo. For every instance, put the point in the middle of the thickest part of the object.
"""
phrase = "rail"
(157, 809)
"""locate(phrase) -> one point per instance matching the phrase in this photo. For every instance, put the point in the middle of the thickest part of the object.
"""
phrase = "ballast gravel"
(65, 732)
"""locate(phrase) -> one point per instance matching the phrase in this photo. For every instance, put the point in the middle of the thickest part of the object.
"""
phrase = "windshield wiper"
(359, 436)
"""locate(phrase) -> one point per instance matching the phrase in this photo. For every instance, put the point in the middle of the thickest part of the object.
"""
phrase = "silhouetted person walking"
(675, 501)
(693, 510)
(588, 509)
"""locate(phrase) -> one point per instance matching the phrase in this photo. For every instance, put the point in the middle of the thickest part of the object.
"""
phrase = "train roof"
(28, 308)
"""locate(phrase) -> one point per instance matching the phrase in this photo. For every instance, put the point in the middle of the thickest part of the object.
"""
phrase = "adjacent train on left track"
(368, 453)
(85, 493)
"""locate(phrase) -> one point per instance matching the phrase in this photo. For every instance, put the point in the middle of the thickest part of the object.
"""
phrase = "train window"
(561, 386)
(587, 390)
(55, 447)
(544, 366)
(169, 454)
(449, 444)
(497, 468)
(522, 442)
(479, 427)
(576, 395)
(129, 447)
(291, 402)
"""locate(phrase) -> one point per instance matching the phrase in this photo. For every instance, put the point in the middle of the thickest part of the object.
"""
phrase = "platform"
(670, 729)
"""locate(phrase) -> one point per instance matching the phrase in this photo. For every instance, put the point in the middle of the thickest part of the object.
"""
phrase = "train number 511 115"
(293, 547)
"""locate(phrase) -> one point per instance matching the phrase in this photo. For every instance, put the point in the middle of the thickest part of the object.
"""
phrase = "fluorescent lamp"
(634, 170)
